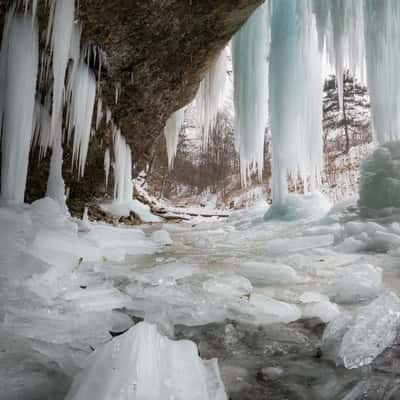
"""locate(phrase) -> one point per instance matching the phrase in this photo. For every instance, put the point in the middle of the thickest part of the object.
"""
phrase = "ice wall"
(295, 102)
(19, 68)
(250, 69)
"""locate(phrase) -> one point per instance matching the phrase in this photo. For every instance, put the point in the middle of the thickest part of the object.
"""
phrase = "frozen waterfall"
(19, 69)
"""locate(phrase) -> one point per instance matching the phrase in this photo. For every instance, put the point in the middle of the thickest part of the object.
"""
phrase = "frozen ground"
(255, 294)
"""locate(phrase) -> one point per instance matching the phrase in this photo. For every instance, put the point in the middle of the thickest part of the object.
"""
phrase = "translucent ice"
(356, 340)
(143, 365)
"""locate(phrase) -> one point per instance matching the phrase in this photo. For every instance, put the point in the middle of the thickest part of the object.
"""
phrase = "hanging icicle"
(382, 36)
(19, 70)
(250, 69)
(81, 114)
(210, 96)
(295, 96)
(62, 30)
(123, 187)
(55, 182)
(171, 132)
(107, 164)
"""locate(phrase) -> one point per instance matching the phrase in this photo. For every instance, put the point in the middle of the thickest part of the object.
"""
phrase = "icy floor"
(255, 294)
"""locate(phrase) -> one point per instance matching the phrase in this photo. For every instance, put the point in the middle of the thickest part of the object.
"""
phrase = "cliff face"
(155, 53)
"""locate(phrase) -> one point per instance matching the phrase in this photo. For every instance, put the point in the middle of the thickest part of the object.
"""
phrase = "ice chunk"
(262, 273)
(357, 283)
(229, 285)
(313, 297)
(357, 340)
(324, 310)
(142, 364)
(260, 309)
(374, 329)
(162, 237)
(166, 272)
(302, 243)
(58, 328)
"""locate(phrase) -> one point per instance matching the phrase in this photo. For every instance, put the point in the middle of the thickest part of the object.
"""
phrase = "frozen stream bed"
(302, 308)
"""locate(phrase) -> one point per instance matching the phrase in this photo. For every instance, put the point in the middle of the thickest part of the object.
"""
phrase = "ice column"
(250, 69)
(382, 40)
(295, 96)
(19, 68)
(123, 187)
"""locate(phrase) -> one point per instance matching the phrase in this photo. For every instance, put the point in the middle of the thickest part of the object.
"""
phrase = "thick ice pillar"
(295, 101)
(19, 67)
(250, 71)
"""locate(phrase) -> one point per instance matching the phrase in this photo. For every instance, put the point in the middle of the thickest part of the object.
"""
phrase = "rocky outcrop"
(155, 53)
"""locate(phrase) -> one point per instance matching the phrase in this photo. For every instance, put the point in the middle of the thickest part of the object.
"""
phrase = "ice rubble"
(142, 364)
(356, 339)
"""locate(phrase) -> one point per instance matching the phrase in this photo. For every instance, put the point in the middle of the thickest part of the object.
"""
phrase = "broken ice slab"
(162, 237)
(260, 309)
(323, 310)
(25, 374)
(228, 285)
(265, 273)
(356, 340)
(142, 364)
(278, 247)
(357, 283)
(87, 329)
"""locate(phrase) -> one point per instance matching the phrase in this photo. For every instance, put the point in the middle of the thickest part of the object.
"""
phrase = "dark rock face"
(156, 53)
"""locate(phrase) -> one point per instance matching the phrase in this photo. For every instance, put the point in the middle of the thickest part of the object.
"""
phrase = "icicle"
(250, 69)
(123, 187)
(61, 39)
(210, 96)
(171, 133)
(108, 116)
(295, 95)
(107, 164)
(43, 126)
(382, 37)
(99, 112)
(55, 182)
(19, 73)
(117, 91)
(82, 107)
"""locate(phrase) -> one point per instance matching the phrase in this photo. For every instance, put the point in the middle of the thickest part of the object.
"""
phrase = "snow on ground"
(64, 291)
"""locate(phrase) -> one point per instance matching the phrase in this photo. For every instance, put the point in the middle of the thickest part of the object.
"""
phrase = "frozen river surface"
(297, 308)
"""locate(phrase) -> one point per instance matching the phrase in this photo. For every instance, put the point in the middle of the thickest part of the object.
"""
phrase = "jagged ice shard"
(250, 71)
(19, 64)
(295, 102)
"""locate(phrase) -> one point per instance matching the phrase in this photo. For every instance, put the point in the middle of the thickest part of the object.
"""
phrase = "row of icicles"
(279, 57)
(30, 118)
